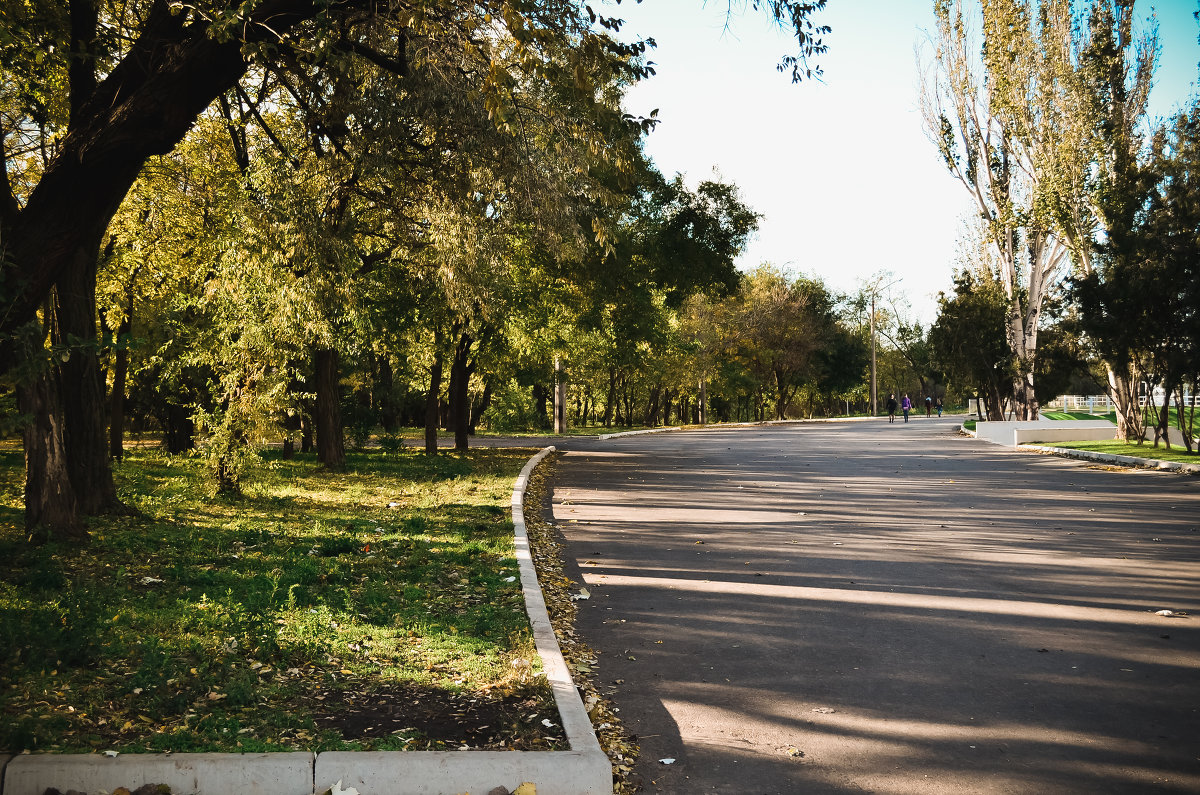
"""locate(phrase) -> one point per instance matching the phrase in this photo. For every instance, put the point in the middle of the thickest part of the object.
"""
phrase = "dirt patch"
(420, 719)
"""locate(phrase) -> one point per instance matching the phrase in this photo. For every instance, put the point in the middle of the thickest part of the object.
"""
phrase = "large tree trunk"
(51, 512)
(331, 448)
(85, 427)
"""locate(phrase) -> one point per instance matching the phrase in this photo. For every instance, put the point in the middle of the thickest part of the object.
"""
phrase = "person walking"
(928, 406)
(939, 407)
(891, 407)
(906, 406)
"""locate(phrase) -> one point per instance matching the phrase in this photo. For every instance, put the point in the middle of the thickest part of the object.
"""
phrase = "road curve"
(865, 607)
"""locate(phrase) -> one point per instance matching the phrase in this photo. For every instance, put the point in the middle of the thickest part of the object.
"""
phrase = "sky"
(841, 169)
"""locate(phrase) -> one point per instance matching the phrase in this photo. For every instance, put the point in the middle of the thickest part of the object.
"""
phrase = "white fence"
(1102, 404)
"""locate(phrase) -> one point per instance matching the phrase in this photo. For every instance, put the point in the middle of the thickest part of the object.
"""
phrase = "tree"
(994, 120)
(1102, 183)
(968, 340)
(94, 90)
(1140, 305)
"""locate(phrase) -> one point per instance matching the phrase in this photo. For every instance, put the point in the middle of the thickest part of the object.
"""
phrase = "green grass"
(1079, 415)
(220, 625)
(1147, 450)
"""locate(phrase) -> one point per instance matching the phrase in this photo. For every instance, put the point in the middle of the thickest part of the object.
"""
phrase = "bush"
(512, 409)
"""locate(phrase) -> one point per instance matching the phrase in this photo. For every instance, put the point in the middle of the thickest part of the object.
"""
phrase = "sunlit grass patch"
(253, 624)
(1146, 450)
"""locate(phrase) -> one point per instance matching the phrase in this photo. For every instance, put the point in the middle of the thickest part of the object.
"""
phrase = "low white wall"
(1027, 435)
(1005, 433)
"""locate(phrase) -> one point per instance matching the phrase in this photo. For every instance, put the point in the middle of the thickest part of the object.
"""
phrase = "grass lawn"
(1147, 450)
(1079, 415)
(376, 608)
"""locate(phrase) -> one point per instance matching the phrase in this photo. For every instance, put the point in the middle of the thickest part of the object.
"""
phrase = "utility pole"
(874, 391)
(876, 286)
(560, 396)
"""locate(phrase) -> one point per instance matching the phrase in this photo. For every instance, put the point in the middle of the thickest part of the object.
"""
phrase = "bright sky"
(841, 169)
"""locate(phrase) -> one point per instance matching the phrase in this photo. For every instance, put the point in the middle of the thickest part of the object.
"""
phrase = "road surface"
(865, 607)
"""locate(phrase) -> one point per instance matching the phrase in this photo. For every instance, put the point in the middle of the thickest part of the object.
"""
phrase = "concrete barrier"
(475, 772)
(198, 774)
(1098, 434)
(1010, 434)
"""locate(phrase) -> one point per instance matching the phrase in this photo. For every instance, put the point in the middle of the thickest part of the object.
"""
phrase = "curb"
(1110, 458)
(584, 770)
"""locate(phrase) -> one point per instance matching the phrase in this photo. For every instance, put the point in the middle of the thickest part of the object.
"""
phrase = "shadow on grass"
(247, 624)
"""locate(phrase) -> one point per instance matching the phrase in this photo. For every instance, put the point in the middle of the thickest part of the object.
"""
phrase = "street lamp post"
(874, 392)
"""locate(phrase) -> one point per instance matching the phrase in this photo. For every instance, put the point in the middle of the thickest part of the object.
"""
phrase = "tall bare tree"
(990, 117)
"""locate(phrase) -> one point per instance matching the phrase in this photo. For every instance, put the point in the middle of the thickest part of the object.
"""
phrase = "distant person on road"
(928, 406)
(891, 407)
(906, 405)
(939, 406)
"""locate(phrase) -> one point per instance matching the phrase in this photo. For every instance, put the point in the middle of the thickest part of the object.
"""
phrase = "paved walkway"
(856, 607)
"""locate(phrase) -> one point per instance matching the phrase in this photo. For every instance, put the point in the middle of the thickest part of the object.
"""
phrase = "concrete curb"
(1109, 458)
(584, 770)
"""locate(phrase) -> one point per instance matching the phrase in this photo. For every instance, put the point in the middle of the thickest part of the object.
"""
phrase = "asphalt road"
(864, 607)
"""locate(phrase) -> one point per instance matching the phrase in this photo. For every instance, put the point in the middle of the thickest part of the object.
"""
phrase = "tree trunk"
(385, 399)
(610, 402)
(431, 398)
(460, 383)
(478, 409)
(306, 426)
(541, 401)
(331, 448)
(1131, 425)
(85, 427)
(51, 511)
(652, 405)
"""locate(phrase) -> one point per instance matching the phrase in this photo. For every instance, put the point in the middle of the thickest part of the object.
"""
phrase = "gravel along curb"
(584, 770)
(1109, 458)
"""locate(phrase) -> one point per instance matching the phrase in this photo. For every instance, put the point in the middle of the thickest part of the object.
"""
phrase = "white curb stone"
(198, 774)
(474, 772)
